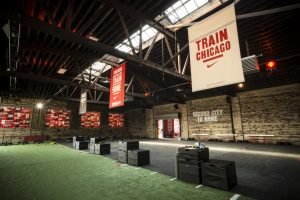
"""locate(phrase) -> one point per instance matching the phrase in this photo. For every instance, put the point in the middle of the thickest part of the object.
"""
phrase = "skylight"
(147, 33)
(172, 15)
(95, 69)
(182, 8)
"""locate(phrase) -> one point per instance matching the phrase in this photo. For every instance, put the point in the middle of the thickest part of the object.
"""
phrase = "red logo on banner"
(117, 80)
(213, 46)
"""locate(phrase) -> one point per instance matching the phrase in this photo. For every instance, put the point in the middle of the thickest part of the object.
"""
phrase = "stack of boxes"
(97, 146)
(124, 146)
(93, 141)
(130, 153)
(79, 143)
(189, 162)
(102, 148)
(139, 157)
(193, 165)
(219, 173)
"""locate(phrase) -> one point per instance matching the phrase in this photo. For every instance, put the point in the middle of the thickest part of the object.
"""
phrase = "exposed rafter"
(131, 12)
(126, 31)
(97, 46)
(63, 82)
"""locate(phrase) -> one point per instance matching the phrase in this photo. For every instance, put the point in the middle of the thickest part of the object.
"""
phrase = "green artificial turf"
(45, 171)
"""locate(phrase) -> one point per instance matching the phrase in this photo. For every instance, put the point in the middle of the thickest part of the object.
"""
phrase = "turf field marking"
(123, 165)
(235, 197)
(173, 179)
(84, 152)
(153, 173)
(198, 186)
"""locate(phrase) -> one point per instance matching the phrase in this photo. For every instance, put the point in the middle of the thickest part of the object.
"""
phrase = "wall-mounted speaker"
(179, 115)
(176, 106)
(228, 99)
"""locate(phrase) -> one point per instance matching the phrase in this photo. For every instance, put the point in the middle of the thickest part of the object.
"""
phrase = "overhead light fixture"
(93, 38)
(5, 29)
(147, 94)
(105, 80)
(179, 89)
(61, 71)
(241, 85)
(271, 65)
(39, 105)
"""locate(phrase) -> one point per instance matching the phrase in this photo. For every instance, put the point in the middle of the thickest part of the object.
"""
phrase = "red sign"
(117, 80)
(58, 118)
(90, 120)
(116, 120)
(14, 117)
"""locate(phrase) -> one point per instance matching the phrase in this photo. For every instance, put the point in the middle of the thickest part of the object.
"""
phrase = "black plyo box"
(96, 140)
(139, 157)
(93, 141)
(129, 145)
(77, 138)
(189, 173)
(188, 170)
(102, 148)
(123, 156)
(219, 173)
(193, 154)
(186, 159)
(92, 147)
(81, 145)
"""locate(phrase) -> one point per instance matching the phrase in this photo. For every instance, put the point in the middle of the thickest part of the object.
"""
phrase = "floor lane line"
(235, 197)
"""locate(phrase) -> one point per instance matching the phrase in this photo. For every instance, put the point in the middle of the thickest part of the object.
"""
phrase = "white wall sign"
(207, 116)
(83, 102)
(215, 51)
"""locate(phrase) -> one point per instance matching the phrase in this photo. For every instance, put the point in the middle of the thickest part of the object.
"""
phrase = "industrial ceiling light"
(241, 85)
(105, 80)
(271, 65)
(39, 105)
(93, 38)
(61, 71)
(179, 89)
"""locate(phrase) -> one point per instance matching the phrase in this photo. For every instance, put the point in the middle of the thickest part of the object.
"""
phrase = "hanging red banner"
(117, 81)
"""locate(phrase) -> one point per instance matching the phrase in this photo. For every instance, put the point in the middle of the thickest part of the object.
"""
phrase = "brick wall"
(137, 122)
(273, 112)
(37, 116)
(150, 125)
(209, 118)
(267, 115)
(37, 121)
(152, 115)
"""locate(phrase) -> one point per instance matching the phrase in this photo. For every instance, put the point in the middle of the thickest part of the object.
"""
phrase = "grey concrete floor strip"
(268, 172)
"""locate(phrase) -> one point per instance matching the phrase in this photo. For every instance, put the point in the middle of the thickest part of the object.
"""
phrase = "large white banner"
(215, 52)
(83, 101)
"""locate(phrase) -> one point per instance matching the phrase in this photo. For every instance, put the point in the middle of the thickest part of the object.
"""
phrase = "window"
(182, 8)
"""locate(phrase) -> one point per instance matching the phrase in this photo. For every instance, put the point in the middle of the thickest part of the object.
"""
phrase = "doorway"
(169, 128)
